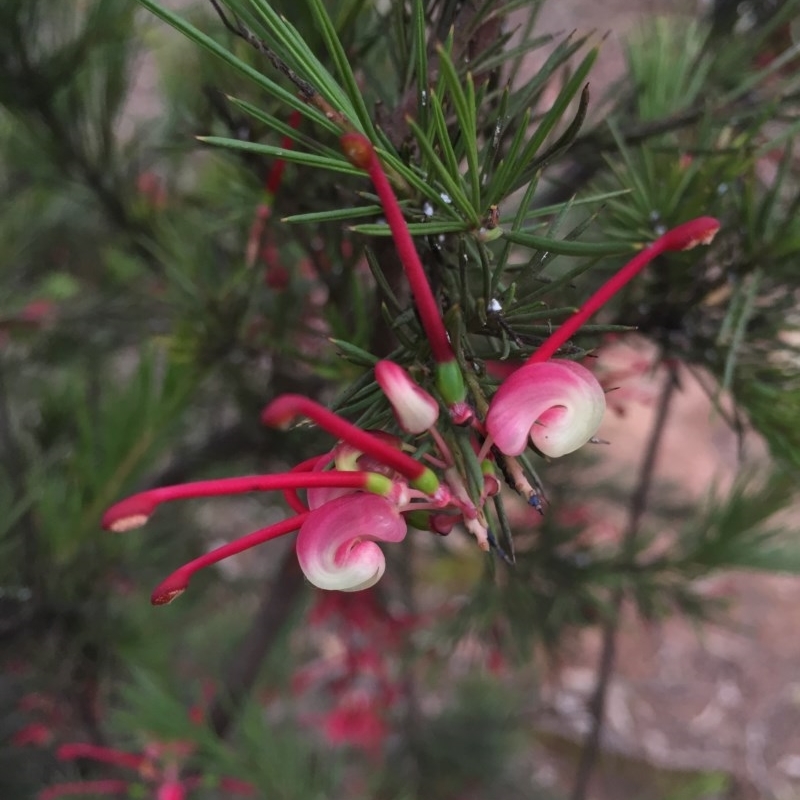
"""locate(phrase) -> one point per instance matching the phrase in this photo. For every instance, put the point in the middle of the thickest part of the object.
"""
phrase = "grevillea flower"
(264, 211)
(560, 404)
(415, 410)
(564, 400)
(357, 681)
(368, 488)
(336, 545)
(157, 767)
(171, 791)
(356, 722)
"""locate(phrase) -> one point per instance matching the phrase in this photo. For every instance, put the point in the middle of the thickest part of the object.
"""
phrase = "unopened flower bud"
(415, 410)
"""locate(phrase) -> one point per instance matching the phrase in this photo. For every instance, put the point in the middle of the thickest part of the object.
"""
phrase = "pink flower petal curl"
(331, 546)
(558, 404)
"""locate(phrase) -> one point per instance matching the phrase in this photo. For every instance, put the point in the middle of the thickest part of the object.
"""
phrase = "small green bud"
(450, 382)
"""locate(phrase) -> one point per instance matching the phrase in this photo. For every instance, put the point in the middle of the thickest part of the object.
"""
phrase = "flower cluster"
(46, 715)
(371, 486)
(158, 767)
(355, 678)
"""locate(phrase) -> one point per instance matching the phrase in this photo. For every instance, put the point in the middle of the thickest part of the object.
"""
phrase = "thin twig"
(733, 419)
(307, 90)
(239, 29)
(605, 667)
(15, 474)
(411, 721)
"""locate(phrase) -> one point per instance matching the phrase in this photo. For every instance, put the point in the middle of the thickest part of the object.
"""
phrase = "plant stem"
(309, 92)
(605, 667)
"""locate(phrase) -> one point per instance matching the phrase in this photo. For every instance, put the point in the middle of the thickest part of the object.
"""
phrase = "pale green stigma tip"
(427, 482)
(379, 484)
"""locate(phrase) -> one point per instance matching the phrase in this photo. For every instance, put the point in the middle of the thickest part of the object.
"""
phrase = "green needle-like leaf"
(283, 128)
(274, 89)
(296, 157)
(415, 228)
(335, 214)
(355, 354)
(343, 67)
(524, 98)
(388, 293)
(453, 189)
(293, 48)
(420, 61)
(442, 134)
(519, 218)
(517, 173)
(465, 116)
(564, 247)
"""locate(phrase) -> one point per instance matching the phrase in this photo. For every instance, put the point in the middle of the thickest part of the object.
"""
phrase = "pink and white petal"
(415, 410)
(336, 544)
(558, 404)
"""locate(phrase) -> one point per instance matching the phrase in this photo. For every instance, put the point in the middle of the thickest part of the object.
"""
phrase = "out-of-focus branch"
(277, 604)
(605, 668)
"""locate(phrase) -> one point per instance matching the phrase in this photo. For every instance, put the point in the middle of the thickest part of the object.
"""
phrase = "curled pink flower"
(558, 404)
(336, 547)
(415, 410)
(682, 237)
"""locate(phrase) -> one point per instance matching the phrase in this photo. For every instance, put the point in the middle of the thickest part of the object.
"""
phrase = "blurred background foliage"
(146, 318)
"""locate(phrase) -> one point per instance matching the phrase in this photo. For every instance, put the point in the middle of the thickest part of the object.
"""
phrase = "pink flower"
(335, 547)
(558, 404)
(171, 790)
(35, 733)
(158, 766)
(356, 722)
(369, 487)
(415, 410)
